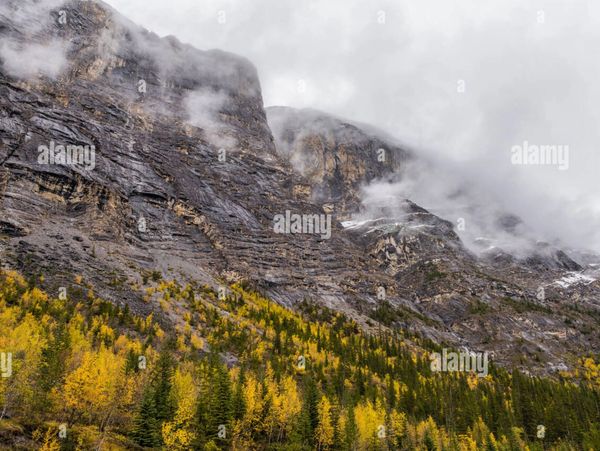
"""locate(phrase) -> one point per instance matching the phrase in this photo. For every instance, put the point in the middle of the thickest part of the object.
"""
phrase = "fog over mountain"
(461, 83)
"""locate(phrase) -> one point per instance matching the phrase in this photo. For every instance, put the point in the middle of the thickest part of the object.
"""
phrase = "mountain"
(470, 296)
(189, 174)
(159, 168)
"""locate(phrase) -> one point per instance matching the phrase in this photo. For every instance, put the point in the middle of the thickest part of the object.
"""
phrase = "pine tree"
(312, 402)
(350, 431)
(238, 405)
(218, 412)
(145, 431)
(52, 367)
(162, 386)
(303, 431)
(132, 362)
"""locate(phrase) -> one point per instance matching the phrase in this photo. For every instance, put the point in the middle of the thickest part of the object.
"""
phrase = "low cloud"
(26, 61)
(204, 107)
(30, 16)
(26, 50)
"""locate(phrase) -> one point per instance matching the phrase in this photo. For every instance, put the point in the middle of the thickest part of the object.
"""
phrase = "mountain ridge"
(211, 219)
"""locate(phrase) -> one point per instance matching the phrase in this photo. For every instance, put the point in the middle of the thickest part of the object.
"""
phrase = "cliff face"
(187, 180)
(186, 175)
(335, 157)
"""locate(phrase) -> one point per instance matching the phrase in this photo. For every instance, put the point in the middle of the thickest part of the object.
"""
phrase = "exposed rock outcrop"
(187, 179)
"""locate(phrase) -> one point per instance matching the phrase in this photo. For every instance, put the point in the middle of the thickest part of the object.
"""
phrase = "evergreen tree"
(220, 408)
(160, 389)
(52, 366)
(238, 404)
(312, 402)
(350, 431)
(145, 431)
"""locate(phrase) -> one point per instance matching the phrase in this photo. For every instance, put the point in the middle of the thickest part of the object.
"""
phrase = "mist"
(203, 107)
(460, 84)
(34, 60)
(46, 58)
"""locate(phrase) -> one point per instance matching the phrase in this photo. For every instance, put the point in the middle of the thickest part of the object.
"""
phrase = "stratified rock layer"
(188, 178)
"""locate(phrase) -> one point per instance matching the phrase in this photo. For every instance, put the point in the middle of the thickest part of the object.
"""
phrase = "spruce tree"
(162, 386)
(238, 404)
(350, 431)
(219, 410)
(145, 431)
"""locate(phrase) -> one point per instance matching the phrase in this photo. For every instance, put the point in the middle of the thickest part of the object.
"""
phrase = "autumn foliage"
(244, 373)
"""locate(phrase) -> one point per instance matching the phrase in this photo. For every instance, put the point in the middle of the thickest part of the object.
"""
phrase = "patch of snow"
(355, 224)
(574, 278)
(420, 226)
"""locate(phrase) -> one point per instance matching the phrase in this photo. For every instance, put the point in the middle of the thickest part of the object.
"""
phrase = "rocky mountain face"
(334, 157)
(190, 172)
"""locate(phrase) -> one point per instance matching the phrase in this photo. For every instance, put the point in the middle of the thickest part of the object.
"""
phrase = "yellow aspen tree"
(480, 432)
(34, 299)
(22, 346)
(79, 343)
(428, 433)
(324, 431)
(368, 422)
(591, 371)
(50, 440)
(286, 406)
(466, 443)
(179, 433)
(12, 283)
(397, 426)
(254, 404)
(95, 389)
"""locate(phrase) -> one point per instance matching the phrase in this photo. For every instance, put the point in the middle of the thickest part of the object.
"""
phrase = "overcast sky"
(530, 72)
